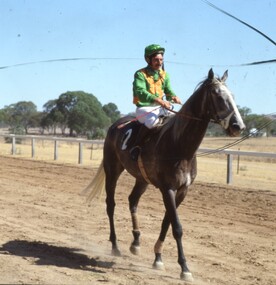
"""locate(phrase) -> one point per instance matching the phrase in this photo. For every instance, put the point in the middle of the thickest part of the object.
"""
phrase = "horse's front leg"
(171, 217)
(137, 191)
(158, 248)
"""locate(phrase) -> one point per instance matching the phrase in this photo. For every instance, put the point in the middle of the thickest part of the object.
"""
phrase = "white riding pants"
(149, 116)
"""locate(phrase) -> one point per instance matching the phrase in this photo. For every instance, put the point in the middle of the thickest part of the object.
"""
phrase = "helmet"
(152, 49)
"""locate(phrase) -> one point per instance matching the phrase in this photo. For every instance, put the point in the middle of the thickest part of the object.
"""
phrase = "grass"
(262, 144)
(250, 172)
(253, 173)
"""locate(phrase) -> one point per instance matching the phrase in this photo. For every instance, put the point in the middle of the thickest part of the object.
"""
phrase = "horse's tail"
(96, 186)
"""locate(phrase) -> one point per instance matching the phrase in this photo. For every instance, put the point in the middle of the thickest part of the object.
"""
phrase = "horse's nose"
(238, 127)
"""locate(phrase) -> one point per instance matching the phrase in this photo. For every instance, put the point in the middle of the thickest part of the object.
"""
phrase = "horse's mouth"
(234, 130)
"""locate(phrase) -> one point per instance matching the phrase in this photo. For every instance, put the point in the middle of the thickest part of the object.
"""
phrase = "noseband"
(219, 117)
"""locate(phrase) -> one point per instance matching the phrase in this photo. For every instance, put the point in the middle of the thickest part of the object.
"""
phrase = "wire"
(270, 61)
(244, 23)
(65, 59)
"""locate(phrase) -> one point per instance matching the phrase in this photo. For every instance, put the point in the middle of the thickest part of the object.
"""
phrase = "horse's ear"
(224, 76)
(211, 74)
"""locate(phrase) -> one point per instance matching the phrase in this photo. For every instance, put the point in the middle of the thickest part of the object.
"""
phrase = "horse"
(167, 160)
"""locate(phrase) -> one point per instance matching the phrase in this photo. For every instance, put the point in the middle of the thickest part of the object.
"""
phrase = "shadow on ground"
(46, 254)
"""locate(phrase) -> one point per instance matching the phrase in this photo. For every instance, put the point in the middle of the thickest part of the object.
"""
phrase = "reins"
(217, 150)
(146, 113)
(183, 115)
(236, 142)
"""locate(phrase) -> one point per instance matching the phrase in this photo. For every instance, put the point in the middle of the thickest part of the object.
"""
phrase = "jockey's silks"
(150, 84)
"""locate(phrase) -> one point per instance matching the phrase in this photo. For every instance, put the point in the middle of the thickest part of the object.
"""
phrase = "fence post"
(238, 164)
(229, 169)
(13, 145)
(33, 147)
(80, 153)
(56, 150)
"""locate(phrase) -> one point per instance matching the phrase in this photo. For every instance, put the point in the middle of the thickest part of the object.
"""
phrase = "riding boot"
(135, 151)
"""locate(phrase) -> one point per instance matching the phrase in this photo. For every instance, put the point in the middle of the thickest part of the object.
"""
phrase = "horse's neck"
(190, 126)
(190, 134)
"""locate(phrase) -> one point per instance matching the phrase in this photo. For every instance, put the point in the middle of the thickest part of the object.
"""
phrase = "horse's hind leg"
(137, 191)
(112, 174)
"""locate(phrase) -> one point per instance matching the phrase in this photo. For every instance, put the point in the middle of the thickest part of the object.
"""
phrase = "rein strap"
(184, 115)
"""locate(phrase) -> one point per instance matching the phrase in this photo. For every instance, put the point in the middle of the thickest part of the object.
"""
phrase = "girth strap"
(142, 169)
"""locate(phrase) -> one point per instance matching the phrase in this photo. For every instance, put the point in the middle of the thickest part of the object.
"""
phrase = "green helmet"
(152, 49)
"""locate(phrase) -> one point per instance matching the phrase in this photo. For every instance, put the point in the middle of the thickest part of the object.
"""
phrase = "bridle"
(222, 120)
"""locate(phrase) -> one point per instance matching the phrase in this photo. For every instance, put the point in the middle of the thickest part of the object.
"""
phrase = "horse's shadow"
(45, 254)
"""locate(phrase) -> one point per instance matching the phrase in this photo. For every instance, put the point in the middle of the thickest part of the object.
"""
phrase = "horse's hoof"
(116, 252)
(134, 249)
(187, 277)
(159, 265)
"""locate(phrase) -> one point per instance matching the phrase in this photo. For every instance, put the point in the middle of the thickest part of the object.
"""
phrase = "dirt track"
(50, 236)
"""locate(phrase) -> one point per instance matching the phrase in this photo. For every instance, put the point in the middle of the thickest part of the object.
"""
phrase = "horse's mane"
(178, 121)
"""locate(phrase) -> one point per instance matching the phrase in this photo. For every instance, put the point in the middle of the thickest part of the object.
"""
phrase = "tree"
(244, 111)
(21, 114)
(273, 125)
(2, 117)
(53, 117)
(111, 110)
(259, 122)
(79, 111)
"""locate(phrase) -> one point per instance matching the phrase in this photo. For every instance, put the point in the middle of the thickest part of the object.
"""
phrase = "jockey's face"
(156, 61)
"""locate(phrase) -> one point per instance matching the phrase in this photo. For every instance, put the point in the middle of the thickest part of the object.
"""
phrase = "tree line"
(76, 113)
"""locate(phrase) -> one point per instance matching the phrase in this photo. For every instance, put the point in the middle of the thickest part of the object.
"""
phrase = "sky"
(107, 38)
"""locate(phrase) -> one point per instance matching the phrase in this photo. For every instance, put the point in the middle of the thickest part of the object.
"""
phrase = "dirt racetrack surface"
(49, 235)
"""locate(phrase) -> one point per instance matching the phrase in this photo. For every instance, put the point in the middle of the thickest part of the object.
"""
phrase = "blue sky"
(112, 35)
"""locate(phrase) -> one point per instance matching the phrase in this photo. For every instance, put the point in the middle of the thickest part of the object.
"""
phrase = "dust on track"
(50, 236)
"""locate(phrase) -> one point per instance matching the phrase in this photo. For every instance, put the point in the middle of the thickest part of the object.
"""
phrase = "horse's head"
(222, 107)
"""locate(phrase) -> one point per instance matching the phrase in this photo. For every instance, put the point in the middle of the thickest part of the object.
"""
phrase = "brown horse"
(167, 160)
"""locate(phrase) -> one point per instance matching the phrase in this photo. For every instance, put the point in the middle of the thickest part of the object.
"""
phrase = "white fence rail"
(230, 153)
(56, 140)
(81, 142)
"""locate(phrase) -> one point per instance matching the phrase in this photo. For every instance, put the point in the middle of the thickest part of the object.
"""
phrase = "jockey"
(151, 84)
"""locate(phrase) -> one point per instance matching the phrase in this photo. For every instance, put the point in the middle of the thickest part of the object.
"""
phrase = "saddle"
(133, 129)
(134, 145)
